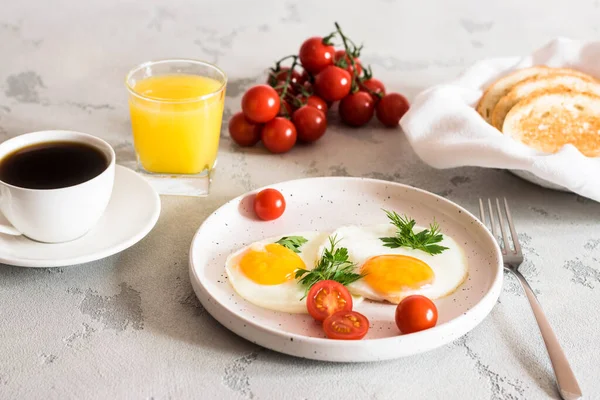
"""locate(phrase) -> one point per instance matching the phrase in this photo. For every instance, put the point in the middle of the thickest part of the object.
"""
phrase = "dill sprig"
(333, 265)
(405, 236)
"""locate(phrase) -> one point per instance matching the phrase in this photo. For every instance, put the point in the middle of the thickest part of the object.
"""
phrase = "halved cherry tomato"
(332, 83)
(357, 109)
(341, 54)
(244, 132)
(279, 135)
(310, 123)
(280, 76)
(269, 204)
(315, 54)
(416, 313)
(373, 86)
(325, 298)
(260, 103)
(346, 325)
(391, 108)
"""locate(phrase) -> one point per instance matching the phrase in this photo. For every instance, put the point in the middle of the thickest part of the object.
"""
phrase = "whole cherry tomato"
(373, 86)
(333, 83)
(346, 325)
(278, 77)
(269, 204)
(310, 123)
(391, 108)
(318, 103)
(341, 54)
(289, 93)
(315, 54)
(416, 313)
(327, 297)
(286, 109)
(244, 132)
(357, 109)
(260, 103)
(279, 135)
(305, 77)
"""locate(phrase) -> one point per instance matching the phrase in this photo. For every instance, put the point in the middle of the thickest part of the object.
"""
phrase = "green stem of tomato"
(278, 63)
(368, 74)
(350, 55)
(286, 85)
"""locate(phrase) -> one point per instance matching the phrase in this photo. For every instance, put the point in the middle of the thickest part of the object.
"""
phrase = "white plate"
(133, 210)
(324, 204)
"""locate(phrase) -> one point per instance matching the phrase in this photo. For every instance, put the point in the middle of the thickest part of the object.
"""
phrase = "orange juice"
(176, 122)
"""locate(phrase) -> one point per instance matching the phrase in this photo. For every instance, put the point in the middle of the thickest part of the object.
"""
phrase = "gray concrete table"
(129, 326)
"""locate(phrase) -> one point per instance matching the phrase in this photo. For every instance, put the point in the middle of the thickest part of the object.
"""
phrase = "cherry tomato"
(318, 103)
(341, 54)
(244, 132)
(315, 54)
(260, 103)
(391, 108)
(310, 123)
(279, 135)
(326, 298)
(346, 325)
(416, 313)
(269, 204)
(290, 92)
(357, 109)
(305, 77)
(280, 76)
(285, 105)
(373, 86)
(333, 83)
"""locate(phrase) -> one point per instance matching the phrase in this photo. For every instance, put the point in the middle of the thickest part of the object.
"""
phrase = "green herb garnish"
(292, 242)
(405, 237)
(333, 265)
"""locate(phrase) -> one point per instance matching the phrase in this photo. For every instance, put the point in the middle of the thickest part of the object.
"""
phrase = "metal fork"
(513, 257)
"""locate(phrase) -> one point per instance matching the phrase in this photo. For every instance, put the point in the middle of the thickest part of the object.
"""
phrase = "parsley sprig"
(292, 242)
(405, 237)
(333, 265)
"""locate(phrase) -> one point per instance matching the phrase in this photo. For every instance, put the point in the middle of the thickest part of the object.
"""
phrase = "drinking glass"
(176, 109)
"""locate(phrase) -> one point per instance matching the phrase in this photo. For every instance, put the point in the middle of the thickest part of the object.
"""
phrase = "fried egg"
(393, 274)
(263, 272)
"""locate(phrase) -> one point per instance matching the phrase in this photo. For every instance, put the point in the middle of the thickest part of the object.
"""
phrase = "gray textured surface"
(130, 326)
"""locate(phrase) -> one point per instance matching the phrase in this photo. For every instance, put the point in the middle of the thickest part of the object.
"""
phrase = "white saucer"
(131, 213)
(324, 204)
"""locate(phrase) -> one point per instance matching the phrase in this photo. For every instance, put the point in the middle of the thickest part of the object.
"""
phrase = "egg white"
(286, 297)
(363, 242)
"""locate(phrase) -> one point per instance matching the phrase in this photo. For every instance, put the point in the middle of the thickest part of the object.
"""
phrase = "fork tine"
(511, 226)
(493, 223)
(481, 212)
(501, 223)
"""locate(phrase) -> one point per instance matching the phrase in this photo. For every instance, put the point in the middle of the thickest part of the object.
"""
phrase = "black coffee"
(52, 165)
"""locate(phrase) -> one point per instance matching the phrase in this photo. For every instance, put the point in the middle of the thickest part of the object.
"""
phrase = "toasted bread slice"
(557, 82)
(502, 86)
(548, 121)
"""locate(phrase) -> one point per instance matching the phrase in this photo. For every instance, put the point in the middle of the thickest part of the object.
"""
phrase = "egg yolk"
(272, 266)
(396, 273)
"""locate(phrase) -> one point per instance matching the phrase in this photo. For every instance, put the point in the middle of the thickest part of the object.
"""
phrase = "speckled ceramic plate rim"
(449, 330)
(141, 233)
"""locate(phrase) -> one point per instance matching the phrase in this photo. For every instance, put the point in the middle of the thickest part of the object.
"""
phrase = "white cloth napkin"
(446, 132)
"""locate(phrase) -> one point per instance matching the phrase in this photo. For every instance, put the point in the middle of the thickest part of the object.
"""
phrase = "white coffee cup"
(56, 215)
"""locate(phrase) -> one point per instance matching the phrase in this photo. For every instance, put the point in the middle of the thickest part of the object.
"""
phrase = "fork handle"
(565, 379)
